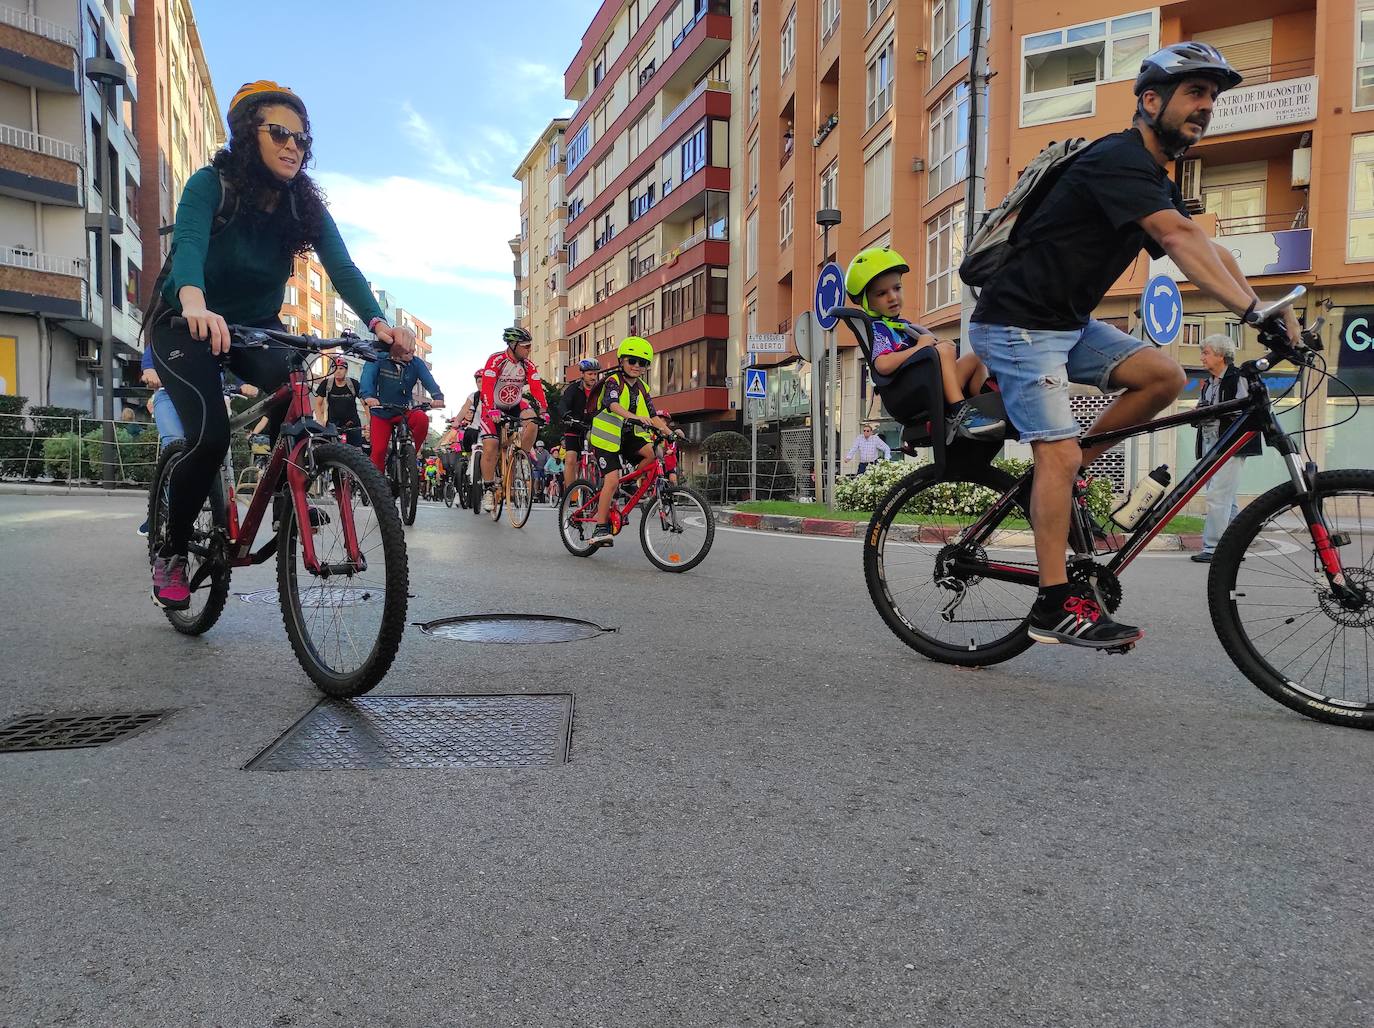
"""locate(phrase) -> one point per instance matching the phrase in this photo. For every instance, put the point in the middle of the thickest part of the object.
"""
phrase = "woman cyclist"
(240, 223)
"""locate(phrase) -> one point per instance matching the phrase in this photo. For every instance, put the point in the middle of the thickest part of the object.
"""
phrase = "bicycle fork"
(302, 454)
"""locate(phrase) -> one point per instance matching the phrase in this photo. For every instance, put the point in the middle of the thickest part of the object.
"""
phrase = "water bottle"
(1142, 498)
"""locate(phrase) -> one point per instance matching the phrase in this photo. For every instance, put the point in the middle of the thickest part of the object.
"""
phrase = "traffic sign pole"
(829, 294)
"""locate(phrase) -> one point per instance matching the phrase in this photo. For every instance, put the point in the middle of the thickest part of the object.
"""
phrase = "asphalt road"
(775, 814)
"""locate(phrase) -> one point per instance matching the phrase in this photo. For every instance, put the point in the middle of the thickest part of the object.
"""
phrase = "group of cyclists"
(242, 219)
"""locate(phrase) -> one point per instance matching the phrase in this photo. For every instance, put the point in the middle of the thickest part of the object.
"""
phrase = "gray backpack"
(995, 237)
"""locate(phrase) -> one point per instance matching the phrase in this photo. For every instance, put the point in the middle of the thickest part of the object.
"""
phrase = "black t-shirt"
(1081, 237)
(577, 403)
(342, 401)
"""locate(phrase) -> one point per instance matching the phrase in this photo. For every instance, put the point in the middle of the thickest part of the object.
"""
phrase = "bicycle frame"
(298, 430)
(653, 473)
(1257, 418)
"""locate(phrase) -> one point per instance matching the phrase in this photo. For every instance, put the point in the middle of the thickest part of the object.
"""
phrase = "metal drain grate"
(511, 629)
(72, 731)
(391, 732)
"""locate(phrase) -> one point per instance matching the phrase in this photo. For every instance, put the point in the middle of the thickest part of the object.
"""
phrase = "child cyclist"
(874, 281)
(624, 398)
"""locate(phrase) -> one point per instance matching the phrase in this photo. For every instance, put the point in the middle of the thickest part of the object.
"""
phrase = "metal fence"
(70, 450)
(735, 479)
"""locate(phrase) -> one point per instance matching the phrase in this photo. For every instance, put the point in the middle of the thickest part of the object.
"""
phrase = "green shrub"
(52, 420)
(12, 404)
(138, 456)
(16, 441)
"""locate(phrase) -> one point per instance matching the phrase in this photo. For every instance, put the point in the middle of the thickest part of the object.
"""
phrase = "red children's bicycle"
(678, 526)
(342, 573)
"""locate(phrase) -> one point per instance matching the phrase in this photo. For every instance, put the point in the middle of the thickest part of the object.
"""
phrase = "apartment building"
(543, 263)
(305, 303)
(651, 209)
(50, 178)
(181, 131)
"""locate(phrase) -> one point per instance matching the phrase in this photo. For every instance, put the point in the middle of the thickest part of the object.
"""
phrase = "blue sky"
(421, 110)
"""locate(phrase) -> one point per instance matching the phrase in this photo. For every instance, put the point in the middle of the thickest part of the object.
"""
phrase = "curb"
(52, 489)
(914, 533)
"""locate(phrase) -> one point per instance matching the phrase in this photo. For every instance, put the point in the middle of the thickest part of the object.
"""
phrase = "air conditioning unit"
(87, 351)
(1190, 183)
(562, 205)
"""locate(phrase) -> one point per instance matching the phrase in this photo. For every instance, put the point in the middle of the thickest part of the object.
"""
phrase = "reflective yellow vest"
(607, 426)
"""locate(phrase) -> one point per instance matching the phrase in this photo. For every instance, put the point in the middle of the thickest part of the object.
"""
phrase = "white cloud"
(536, 77)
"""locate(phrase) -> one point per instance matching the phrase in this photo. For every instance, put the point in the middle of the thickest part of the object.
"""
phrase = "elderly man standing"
(867, 446)
(1225, 383)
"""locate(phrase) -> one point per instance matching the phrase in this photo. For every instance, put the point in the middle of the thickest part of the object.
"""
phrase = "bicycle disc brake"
(1105, 585)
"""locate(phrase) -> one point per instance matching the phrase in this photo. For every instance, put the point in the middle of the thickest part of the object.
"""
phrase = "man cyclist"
(576, 408)
(1033, 324)
(505, 377)
(386, 389)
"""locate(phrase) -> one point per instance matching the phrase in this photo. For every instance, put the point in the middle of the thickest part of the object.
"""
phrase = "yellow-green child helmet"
(868, 265)
(635, 346)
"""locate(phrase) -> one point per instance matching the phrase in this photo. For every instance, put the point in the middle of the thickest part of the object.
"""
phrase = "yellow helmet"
(868, 265)
(263, 90)
(635, 346)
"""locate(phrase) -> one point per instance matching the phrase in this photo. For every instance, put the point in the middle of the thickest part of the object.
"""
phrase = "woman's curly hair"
(300, 206)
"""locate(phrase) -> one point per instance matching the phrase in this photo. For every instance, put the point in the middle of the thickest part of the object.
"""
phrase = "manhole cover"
(72, 731)
(385, 732)
(512, 628)
(319, 596)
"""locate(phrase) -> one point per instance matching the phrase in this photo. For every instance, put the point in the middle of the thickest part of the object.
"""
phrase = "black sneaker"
(1080, 621)
(603, 536)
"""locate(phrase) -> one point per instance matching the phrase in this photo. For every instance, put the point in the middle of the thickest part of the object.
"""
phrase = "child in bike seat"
(874, 281)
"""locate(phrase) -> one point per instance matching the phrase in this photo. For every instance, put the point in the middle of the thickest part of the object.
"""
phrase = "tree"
(551, 433)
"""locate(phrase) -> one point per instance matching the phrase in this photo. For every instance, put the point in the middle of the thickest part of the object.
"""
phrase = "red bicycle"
(342, 572)
(678, 526)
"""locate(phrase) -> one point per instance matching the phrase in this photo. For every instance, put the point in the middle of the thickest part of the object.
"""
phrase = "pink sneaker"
(171, 590)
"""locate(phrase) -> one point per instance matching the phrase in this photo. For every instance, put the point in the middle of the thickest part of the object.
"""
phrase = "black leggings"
(193, 378)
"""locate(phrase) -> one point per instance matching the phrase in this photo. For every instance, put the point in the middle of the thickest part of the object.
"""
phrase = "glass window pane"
(1135, 21)
(1364, 87)
(1127, 55)
(1095, 31)
(1361, 239)
(1043, 40)
(1366, 50)
(1071, 105)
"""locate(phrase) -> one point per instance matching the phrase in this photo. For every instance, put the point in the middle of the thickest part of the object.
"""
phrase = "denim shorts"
(1034, 367)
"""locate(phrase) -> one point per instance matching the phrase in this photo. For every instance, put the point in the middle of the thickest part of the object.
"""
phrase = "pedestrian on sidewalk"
(1224, 382)
(867, 446)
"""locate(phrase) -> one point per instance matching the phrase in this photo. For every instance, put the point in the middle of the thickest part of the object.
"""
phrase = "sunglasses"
(281, 135)
(636, 362)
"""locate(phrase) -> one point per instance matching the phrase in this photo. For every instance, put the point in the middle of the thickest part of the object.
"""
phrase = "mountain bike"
(514, 479)
(1290, 589)
(678, 525)
(402, 462)
(342, 571)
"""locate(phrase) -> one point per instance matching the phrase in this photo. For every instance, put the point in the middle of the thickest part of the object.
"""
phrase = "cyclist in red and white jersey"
(505, 378)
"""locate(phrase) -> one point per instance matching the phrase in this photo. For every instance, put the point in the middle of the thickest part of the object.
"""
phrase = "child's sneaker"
(171, 591)
(603, 536)
(966, 421)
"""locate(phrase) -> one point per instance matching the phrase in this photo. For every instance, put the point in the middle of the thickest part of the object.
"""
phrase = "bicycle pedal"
(1122, 650)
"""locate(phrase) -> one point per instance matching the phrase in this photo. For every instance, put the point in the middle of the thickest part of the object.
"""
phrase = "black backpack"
(158, 308)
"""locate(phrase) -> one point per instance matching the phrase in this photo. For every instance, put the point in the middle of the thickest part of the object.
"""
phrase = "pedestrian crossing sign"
(755, 384)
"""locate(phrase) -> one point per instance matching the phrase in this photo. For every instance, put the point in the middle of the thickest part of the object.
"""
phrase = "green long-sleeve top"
(242, 271)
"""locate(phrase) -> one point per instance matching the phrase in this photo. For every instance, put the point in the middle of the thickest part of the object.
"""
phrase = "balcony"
(40, 283)
(1279, 94)
(36, 52)
(1259, 251)
(39, 168)
(705, 85)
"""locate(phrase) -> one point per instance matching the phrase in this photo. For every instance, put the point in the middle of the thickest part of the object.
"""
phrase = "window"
(830, 17)
(642, 132)
(600, 118)
(947, 162)
(751, 245)
(785, 207)
(599, 68)
(1360, 246)
(875, 8)
(577, 149)
(949, 35)
(603, 229)
(880, 81)
(754, 20)
(1191, 334)
(643, 195)
(1061, 68)
(1364, 56)
(603, 282)
(602, 337)
(689, 298)
(751, 315)
(316, 311)
(642, 69)
(944, 251)
(878, 183)
(789, 41)
(292, 297)
(315, 284)
(753, 168)
(643, 319)
(1235, 194)
(643, 254)
(600, 176)
(829, 191)
(693, 150)
(754, 88)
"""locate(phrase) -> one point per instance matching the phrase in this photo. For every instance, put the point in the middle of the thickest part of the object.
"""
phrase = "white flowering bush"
(952, 499)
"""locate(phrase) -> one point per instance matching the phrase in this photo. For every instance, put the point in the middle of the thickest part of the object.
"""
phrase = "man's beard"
(1173, 140)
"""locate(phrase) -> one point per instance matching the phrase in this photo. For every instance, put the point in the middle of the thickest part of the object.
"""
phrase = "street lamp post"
(827, 217)
(108, 75)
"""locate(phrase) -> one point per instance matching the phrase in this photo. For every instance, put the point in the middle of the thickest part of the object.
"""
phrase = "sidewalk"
(63, 489)
(916, 533)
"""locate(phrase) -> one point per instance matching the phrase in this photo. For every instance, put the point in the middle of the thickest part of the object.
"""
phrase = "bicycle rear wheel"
(449, 492)
(345, 619)
(521, 488)
(677, 529)
(410, 483)
(1275, 612)
(577, 518)
(207, 565)
(964, 620)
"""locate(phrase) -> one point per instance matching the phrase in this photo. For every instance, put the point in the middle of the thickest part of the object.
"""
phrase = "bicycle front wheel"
(449, 493)
(912, 538)
(207, 565)
(677, 529)
(521, 488)
(345, 618)
(1278, 617)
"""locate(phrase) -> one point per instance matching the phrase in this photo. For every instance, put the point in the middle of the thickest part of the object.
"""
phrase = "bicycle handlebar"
(255, 337)
(1275, 339)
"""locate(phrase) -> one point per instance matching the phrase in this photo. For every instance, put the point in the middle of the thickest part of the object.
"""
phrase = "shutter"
(1248, 47)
